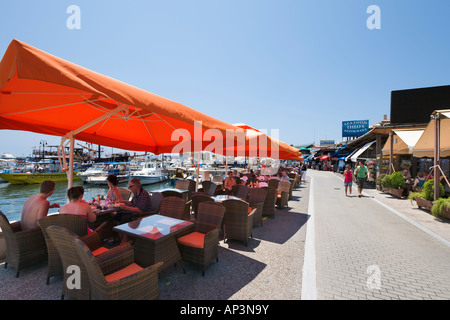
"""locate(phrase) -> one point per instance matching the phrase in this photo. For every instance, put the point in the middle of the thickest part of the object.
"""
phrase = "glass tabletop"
(171, 189)
(153, 227)
(222, 197)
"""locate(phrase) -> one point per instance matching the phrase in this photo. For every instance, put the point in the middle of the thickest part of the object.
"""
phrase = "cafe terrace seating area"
(186, 228)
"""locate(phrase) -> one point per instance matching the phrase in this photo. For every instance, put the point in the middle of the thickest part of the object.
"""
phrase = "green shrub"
(386, 181)
(438, 207)
(397, 180)
(380, 179)
(428, 190)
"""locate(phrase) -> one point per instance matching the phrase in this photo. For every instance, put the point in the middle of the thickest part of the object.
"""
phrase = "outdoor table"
(156, 239)
(102, 216)
(222, 197)
(183, 192)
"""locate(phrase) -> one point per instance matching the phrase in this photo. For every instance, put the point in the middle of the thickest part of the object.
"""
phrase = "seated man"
(229, 183)
(141, 202)
(37, 206)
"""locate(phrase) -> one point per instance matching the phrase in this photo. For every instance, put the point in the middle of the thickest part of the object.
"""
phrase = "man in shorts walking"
(362, 174)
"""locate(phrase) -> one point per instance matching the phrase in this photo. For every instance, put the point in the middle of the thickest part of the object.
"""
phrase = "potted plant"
(424, 199)
(386, 182)
(380, 181)
(397, 183)
(441, 208)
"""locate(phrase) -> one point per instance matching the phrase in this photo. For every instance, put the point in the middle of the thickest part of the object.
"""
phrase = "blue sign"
(355, 128)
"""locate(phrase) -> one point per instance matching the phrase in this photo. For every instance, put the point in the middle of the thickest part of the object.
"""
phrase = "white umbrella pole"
(70, 177)
(198, 171)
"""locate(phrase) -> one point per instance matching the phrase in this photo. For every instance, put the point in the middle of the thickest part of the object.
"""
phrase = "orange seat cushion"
(99, 251)
(194, 239)
(122, 273)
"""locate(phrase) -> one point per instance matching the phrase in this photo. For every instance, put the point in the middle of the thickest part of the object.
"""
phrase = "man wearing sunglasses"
(141, 202)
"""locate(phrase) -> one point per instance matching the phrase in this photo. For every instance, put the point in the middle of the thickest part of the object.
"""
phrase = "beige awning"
(404, 141)
(425, 145)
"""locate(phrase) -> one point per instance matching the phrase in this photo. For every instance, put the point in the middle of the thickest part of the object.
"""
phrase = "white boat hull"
(101, 180)
(144, 179)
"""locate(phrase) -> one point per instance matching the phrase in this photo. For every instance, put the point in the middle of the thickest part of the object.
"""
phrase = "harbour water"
(12, 197)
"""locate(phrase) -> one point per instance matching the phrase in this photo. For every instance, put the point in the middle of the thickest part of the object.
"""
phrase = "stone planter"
(446, 212)
(397, 192)
(422, 203)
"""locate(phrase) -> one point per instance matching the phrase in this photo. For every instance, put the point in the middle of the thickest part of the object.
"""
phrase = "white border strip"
(309, 289)
(418, 225)
(401, 215)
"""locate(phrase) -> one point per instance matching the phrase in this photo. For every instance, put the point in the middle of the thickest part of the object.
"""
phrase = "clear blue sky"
(300, 66)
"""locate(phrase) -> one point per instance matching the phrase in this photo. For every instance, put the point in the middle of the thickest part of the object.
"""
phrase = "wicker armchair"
(237, 220)
(256, 198)
(118, 277)
(273, 183)
(209, 187)
(125, 193)
(197, 199)
(201, 246)
(23, 248)
(175, 207)
(269, 202)
(75, 224)
(61, 239)
(283, 194)
(182, 184)
(242, 192)
(291, 187)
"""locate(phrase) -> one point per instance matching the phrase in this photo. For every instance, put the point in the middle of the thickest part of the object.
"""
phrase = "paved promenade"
(374, 247)
(325, 246)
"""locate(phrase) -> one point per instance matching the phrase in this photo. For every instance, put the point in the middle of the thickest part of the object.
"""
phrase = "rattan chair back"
(74, 223)
(182, 184)
(62, 240)
(197, 199)
(242, 192)
(173, 207)
(269, 202)
(143, 285)
(23, 248)
(125, 193)
(156, 201)
(273, 183)
(210, 215)
(238, 223)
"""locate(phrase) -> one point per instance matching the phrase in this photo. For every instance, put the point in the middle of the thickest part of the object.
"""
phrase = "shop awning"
(404, 141)
(425, 145)
(354, 156)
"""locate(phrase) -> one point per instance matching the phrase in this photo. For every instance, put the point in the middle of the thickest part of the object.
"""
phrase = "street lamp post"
(43, 143)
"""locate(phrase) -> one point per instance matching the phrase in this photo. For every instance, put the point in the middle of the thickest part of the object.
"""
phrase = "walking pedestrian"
(348, 180)
(361, 173)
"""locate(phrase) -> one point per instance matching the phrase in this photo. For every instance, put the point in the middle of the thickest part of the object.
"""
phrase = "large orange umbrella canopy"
(259, 144)
(45, 94)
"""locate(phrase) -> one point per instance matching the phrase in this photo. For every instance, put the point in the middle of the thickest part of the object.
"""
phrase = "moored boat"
(150, 172)
(120, 170)
(35, 177)
(36, 173)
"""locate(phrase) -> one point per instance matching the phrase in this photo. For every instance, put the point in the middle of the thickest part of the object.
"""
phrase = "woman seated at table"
(419, 181)
(113, 194)
(77, 205)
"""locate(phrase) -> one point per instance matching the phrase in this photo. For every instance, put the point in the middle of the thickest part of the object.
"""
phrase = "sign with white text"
(355, 128)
